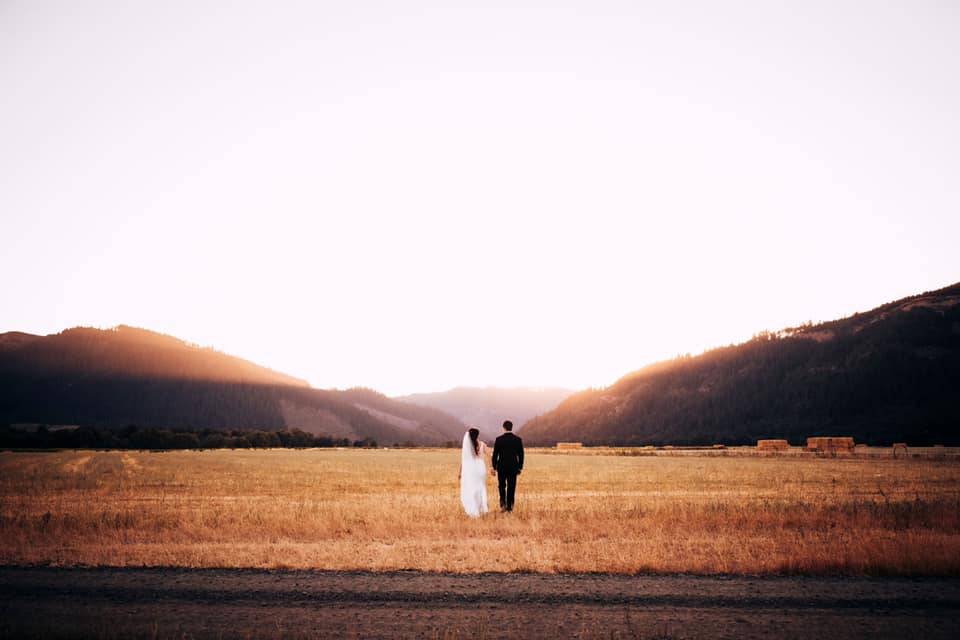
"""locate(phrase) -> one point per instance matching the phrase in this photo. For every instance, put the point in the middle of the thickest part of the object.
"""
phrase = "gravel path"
(184, 603)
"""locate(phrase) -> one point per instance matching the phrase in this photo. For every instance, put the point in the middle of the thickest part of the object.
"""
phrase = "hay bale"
(772, 445)
(569, 445)
(830, 444)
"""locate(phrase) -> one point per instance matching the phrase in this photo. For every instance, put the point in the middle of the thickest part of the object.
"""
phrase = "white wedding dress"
(473, 479)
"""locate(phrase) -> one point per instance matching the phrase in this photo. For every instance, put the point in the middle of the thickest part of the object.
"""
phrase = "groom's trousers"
(507, 483)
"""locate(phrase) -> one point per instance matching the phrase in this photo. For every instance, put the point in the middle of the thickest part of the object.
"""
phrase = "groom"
(507, 463)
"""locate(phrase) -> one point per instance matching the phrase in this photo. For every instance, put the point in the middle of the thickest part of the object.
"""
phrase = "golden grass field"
(399, 509)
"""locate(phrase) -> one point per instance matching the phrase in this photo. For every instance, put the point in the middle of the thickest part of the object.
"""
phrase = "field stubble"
(399, 509)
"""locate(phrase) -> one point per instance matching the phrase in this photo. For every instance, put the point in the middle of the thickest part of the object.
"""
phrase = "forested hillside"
(127, 352)
(890, 374)
(127, 376)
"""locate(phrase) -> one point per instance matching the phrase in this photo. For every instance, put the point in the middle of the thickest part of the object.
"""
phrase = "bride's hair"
(475, 440)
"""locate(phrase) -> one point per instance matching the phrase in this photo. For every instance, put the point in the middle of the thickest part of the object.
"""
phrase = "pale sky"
(411, 196)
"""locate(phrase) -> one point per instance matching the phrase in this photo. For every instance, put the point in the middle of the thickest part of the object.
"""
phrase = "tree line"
(134, 437)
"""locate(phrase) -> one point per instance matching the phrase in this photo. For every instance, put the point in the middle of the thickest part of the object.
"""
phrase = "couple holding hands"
(506, 463)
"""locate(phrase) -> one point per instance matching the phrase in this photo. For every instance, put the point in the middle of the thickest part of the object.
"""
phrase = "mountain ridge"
(127, 375)
(883, 375)
(83, 350)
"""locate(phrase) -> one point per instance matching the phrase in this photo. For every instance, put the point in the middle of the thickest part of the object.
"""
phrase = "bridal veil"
(473, 480)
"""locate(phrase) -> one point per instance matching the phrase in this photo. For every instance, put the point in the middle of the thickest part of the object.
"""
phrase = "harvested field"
(384, 510)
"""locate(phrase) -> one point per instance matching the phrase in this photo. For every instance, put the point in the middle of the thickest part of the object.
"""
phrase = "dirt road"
(183, 603)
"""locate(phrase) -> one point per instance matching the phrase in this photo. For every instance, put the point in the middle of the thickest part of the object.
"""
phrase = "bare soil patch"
(191, 603)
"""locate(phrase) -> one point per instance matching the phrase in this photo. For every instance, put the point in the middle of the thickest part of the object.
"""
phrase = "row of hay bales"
(773, 445)
(821, 444)
(827, 444)
(830, 444)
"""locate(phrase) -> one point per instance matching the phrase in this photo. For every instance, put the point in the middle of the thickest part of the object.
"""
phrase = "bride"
(473, 474)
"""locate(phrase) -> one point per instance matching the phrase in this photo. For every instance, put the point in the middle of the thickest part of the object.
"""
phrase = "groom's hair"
(508, 426)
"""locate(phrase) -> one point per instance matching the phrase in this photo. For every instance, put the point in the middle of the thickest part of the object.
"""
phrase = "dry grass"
(382, 510)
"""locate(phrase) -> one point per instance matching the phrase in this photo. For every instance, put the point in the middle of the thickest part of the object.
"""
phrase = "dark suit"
(508, 463)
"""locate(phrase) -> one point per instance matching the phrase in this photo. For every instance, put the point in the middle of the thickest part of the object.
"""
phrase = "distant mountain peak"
(487, 407)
